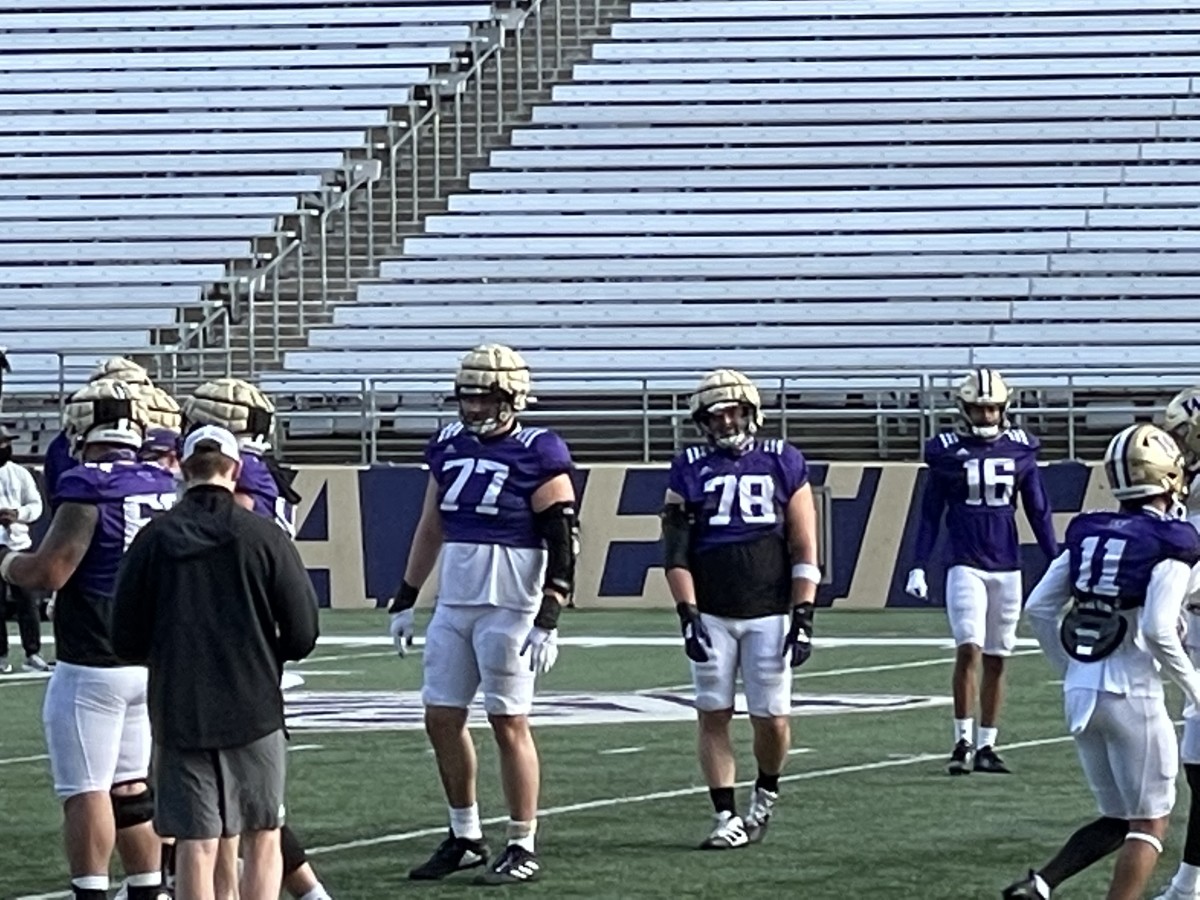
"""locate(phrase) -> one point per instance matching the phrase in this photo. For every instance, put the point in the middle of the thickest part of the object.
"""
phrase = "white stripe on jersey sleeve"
(449, 431)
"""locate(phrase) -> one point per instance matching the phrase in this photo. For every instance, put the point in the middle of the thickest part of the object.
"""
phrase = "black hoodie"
(213, 599)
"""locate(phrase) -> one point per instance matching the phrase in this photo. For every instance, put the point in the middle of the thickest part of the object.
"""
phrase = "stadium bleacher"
(819, 184)
(144, 151)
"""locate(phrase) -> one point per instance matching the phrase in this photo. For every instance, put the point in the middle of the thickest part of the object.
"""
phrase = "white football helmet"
(1144, 461)
(726, 391)
(120, 369)
(492, 385)
(107, 411)
(235, 405)
(1181, 420)
(980, 389)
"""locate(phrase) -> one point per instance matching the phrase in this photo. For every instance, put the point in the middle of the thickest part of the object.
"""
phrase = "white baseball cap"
(207, 436)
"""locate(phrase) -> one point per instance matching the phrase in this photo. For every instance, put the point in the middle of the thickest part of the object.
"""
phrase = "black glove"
(695, 635)
(799, 637)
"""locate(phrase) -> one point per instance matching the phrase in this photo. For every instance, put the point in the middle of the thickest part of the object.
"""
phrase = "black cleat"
(515, 865)
(960, 758)
(988, 760)
(454, 854)
(1025, 889)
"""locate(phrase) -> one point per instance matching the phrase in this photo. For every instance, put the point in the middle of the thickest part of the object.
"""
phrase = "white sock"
(1186, 878)
(317, 893)
(987, 737)
(144, 879)
(1042, 888)
(465, 822)
(964, 730)
(91, 882)
(522, 833)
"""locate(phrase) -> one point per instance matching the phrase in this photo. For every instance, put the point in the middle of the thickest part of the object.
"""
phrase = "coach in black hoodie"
(213, 599)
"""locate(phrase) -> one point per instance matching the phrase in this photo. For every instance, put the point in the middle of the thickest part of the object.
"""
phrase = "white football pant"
(983, 608)
(469, 647)
(753, 647)
(97, 727)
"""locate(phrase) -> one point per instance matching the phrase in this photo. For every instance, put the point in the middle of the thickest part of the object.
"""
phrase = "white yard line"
(23, 759)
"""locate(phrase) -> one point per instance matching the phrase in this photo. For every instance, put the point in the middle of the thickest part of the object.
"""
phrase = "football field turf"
(865, 810)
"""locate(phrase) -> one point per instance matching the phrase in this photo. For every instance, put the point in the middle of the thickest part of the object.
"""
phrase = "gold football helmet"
(1181, 420)
(727, 409)
(120, 369)
(162, 408)
(491, 386)
(1144, 461)
(235, 405)
(107, 411)
(980, 392)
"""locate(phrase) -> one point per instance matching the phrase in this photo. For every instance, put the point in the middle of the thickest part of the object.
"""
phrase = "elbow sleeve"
(676, 536)
(558, 525)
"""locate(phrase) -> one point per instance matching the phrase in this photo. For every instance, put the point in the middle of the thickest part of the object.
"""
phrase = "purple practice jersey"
(58, 461)
(976, 482)
(736, 498)
(485, 487)
(737, 503)
(1113, 553)
(257, 482)
(127, 494)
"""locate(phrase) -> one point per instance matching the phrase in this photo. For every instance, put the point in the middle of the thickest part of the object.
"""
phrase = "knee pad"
(293, 851)
(1145, 838)
(130, 810)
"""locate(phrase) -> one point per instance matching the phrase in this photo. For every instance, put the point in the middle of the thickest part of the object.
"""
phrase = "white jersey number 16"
(990, 481)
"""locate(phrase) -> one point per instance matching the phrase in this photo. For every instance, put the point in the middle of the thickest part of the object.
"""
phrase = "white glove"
(542, 646)
(401, 629)
(916, 586)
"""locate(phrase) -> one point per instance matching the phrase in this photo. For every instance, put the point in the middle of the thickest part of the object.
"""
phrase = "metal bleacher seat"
(921, 185)
(143, 146)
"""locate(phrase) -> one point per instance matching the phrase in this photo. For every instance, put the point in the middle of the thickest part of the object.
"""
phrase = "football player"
(264, 488)
(59, 453)
(740, 552)
(95, 716)
(1182, 421)
(500, 506)
(975, 473)
(1106, 615)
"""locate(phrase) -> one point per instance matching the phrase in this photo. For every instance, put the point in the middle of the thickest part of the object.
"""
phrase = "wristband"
(806, 572)
(547, 617)
(686, 611)
(406, 598)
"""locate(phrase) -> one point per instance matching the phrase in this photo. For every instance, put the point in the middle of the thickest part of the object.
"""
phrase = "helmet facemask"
(983, 420)
(484, 411)
(728, 425)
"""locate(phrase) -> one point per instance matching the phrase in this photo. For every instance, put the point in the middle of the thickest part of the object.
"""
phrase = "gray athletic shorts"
(201, 794)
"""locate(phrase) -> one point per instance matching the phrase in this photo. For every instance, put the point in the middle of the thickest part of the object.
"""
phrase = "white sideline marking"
(853, 670)
(796, 751)
(657, 795)
(296, 748)
(648, 640)
(618, 751)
